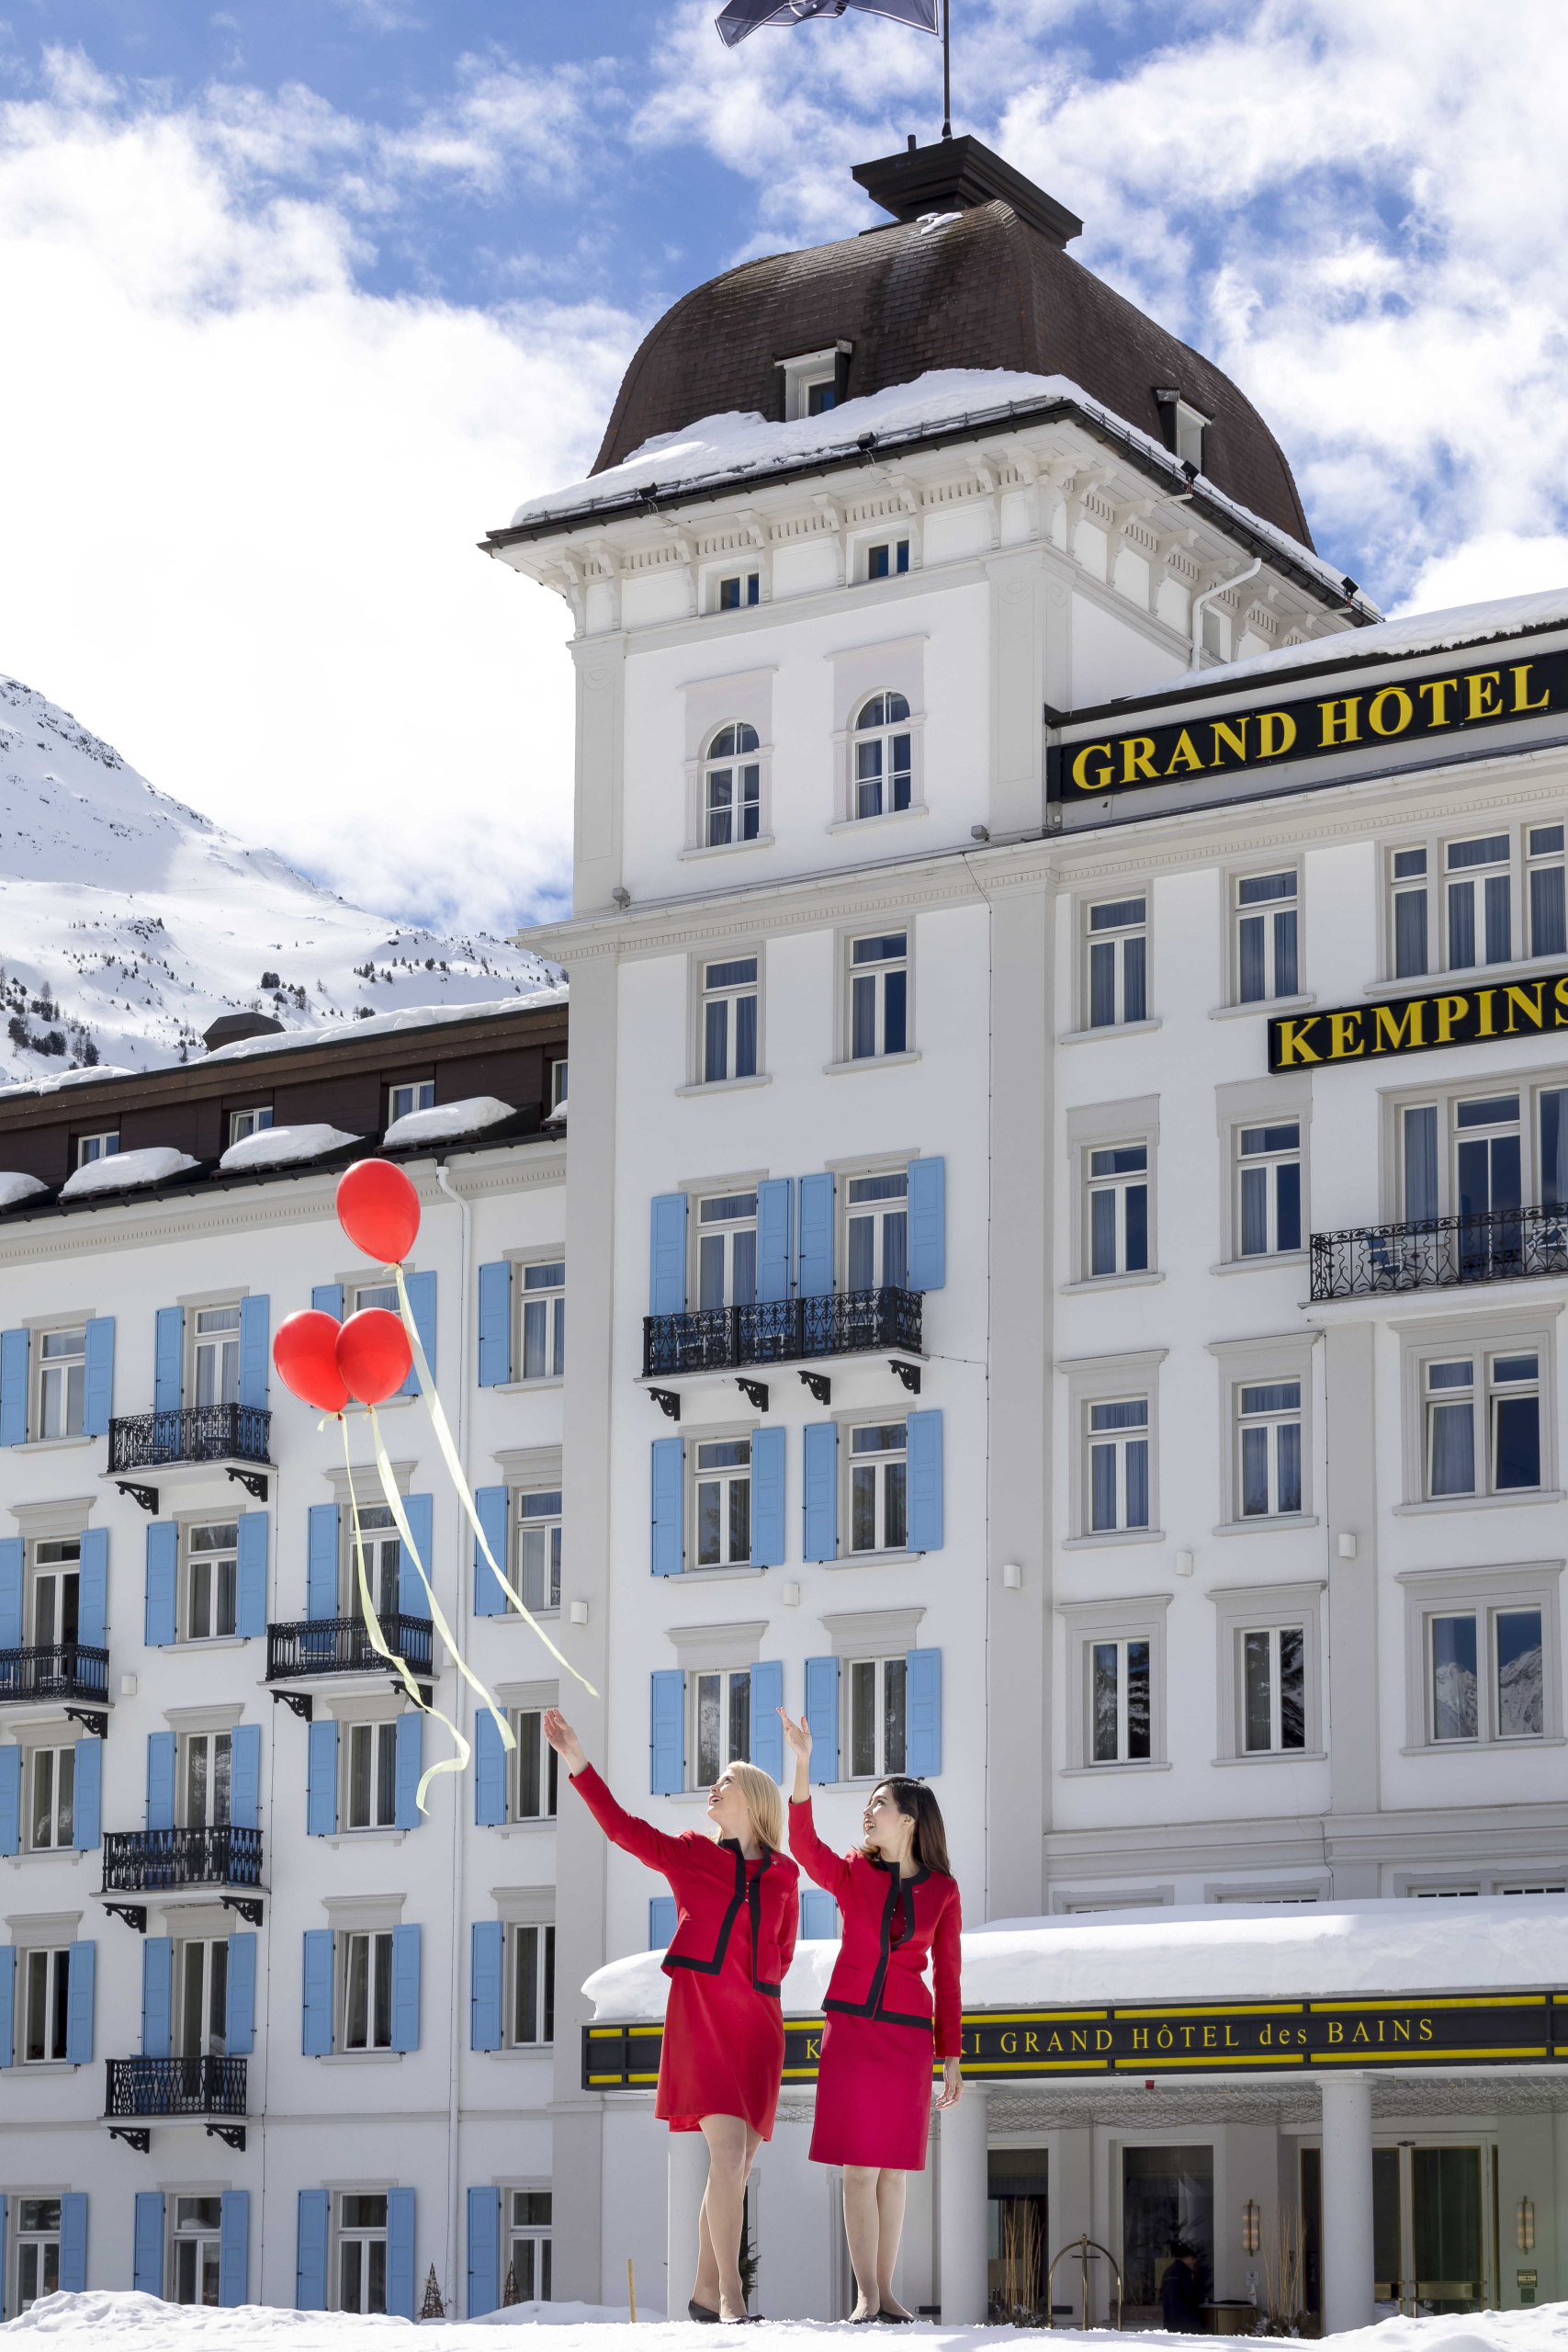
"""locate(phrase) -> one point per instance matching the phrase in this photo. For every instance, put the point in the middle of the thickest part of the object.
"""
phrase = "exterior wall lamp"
(1525, 2225)
(1251, 2226)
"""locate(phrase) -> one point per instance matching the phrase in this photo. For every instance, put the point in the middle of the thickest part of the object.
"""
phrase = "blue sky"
(307, 294)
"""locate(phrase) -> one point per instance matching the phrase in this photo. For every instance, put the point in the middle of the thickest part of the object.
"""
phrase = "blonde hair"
(763, 1802)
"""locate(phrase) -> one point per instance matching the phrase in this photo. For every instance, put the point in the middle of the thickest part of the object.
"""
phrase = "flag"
(739, 17)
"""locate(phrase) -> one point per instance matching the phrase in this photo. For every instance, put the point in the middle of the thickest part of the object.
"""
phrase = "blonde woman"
(737, 1909)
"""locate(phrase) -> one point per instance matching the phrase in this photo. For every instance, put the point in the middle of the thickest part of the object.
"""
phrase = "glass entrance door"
(1167, 2218)
(1433, 2228)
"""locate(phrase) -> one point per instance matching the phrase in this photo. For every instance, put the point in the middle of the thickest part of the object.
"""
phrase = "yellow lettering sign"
(1449, 1009)
(1344, 1037)
(1140, 2037)
(1534, 1012)
(1389, 1034)
(1521, 688)
(1224, 733)
(1137, 758)
(1404, 711)
(1480, 703)
(1560, 994)
(1102, 2037)
(1293, 1047)
(1341, 721)
(1439, 689)
(1101, 777)
(1009, 2045)
(1185, 754)
(1336, 2030)
(1276, 733)
(1426, 2029)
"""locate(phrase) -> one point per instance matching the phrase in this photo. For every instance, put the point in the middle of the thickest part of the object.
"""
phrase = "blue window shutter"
(7, 2004)
(244, 1776)
(819, 1916)
(93, 1588)
(667, 1741)
(320, 1573)
(409, 1764)
(147, 2271)
(250, 1576)
(157, 1994)
(662, 1921)
(311, 2248)
(163, 1566)
(239, 2024)
(97, 1404)
(819, 1490)
(321, 1780)
(14, 1387)
(495, 1324)
(316, 2009)
(327, 1299)
(168, 1359)
(768, 1499)
(233, 2244)
(421, 1306)
(400, 2237)
(925, 1482)
(486, 1960)
(767, 1732)
(74, 2243)
(88, 1812)
(12, 1562)
(484, 2251)
(775, 1219)
(666, 1255)
(928, 1223)
(405, 1989)
(669, 1498)
(822, 1716)
(160, 1780)
(79, 2004)
(490, 1772)
(922, 1713)
(10, 1800)
(421, 1514)
(256, 1320)
(489, 1598)
(815, 1216)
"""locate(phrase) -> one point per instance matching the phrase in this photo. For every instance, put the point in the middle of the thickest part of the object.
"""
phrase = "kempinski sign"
(1275, 734)
(1414, 1024)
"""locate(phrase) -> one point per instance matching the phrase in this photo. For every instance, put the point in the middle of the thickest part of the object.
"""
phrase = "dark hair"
(915, 1801)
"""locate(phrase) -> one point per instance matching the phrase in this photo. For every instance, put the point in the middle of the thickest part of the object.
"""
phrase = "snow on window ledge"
(277, 1147)
(443, 1119)
(127, 1170)
(15, 1187)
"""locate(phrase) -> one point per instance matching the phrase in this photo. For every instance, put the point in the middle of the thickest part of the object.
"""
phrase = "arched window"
(882, 756)
(732, 788)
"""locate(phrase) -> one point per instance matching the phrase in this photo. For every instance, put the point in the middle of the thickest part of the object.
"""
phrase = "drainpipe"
(1199, 602)
(454, 2006)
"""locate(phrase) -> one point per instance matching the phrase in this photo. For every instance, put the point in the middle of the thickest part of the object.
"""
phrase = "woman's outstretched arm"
(649, 1845)
(830, 1870)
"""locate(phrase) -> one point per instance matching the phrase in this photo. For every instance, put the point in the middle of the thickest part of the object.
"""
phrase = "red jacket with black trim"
(892, 1926)
(709, 1879)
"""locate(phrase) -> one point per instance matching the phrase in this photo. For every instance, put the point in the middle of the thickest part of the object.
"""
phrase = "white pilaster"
(1346, 2202)
(963, 2184)
(688, 2178)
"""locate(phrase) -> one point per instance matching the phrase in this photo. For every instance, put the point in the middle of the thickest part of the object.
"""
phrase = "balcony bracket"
(146, 1495)
(298, 1701)
(755, 1393)
(135, 2135)
(821, 1387)
(668, 1401)
(426, 1692)
(232, 2134)
(247, 1905)
(253, 1482)
(91, 1719)
(133, 1914)
(909, 1373)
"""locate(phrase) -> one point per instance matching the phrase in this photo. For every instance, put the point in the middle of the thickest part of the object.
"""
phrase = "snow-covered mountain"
(127, 922)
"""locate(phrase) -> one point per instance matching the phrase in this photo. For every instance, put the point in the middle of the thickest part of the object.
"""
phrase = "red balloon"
(379, 1209)
(304, 1350)
(373, 1354)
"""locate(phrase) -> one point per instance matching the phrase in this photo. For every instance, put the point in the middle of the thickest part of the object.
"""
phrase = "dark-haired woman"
(898, 1902)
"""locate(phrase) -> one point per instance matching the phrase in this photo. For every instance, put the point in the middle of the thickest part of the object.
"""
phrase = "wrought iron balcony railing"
(150, 1861)
(64, 1671)
(194, 1434)
(784, 1330)
(1441, 1252)
(342, 1646)
(198, 2087)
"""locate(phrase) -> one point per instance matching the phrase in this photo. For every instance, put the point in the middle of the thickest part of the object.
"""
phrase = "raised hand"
(797, 1735)
(563, 1739)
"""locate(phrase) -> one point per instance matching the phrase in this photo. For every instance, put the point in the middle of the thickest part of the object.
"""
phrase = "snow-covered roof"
(52, 1085)
(123, 1172)
(443, 1119)
(15, 1187)
(1202, 1952)
(384, 1024)
(279, 1147)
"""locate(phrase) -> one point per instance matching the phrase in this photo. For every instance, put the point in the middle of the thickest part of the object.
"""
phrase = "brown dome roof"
(992, 289)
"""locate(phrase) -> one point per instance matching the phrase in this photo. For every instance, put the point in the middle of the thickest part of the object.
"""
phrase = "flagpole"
(946, 70)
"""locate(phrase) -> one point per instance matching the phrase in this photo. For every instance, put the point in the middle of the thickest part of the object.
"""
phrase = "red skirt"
(873, 2093)
(724, 2046)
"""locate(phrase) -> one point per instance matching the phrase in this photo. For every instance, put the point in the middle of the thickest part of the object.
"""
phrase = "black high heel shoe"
(701, 2311)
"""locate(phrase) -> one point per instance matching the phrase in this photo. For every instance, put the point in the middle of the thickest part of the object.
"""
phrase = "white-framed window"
(1117, 1476)
(1269, 1672)
(366, 1999)
(56, 1594)
(735, 589)
(879, 995)
(721, 1501)
(99, 1147)
(885, 559)
(62, 1382)
(362, 2245)
(375, 1295)
(1482, 1422)
(1271, 1679)
(206, 1781)
(557, 1083)
(1478, 902)
(370, 1781)
(1486, 1675)
(528, 2238)
(1118, 1208)
(1267, 961)
(201, 1996)
(195, 2245)
(1268, 1449)
(878, 1472)
(726, 1250)
(882, 749)
(719, 1701)
(540, 1548)
(253, 1122)
(215, 1348)
(730, 1019)
(542, 1313)
(383, 1560)
(1474, 1153)
(45, 1996)
(1116, 961)
(1114, 1680)
(1269, 1188)
(415, 1095)
(533, 1987)
(876, 1232)
(1119, 1671)
(732, 785)
(534, 1767)
(1484, 899)
(211, 1579)
(876, 1728)
(38, 2251)
(1546, 902)
(52, 1814)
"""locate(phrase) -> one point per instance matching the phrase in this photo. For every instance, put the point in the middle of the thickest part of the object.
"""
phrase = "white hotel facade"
(1069, 1126)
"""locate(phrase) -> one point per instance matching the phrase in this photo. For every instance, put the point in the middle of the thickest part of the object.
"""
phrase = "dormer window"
(815, 381)
(1184, 425)
(740, 588)
(885, 560)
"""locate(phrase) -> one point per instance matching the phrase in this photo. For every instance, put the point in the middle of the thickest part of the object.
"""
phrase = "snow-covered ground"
(129, 921)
